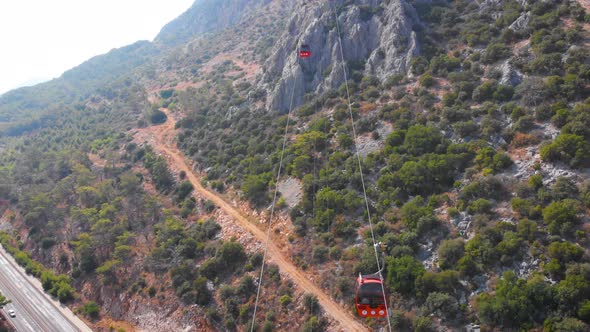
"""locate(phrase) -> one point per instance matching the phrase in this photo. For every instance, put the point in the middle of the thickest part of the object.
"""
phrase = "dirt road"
(164, 143)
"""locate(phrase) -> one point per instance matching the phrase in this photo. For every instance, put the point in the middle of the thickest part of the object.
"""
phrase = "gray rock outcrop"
(510, 76)
(377, 36)
(521, 23)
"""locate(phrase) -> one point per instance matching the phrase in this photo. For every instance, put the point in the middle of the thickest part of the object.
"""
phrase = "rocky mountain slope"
(207, 16)
(472, 122)
(378, 39)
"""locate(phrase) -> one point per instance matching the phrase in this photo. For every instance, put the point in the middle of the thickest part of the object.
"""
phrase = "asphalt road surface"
(35, 310)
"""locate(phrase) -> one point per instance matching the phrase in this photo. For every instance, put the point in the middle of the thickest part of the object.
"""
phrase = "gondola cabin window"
(304, 51)
(369, 300)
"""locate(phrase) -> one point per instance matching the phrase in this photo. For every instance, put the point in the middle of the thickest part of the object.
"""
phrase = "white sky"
(40, 39)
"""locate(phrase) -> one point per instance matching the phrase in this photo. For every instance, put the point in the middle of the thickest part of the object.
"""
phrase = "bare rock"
(377, 34)
(487, 4)
(462, 222)
(521, 23)
(549, 130)
(5, 224)
(481, 284)
(428, 255)
(233, 110)
(510, 76)
(524, 167)
(366, 145)
(552, 171)
(292, 190)
(527, 267)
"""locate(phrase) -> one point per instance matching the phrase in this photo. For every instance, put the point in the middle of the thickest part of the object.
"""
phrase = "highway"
(35, 310)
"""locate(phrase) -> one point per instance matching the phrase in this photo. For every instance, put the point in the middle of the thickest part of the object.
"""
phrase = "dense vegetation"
(30, 108)
(442, 168)
(3, 300)
(477, 188)
(77, 186)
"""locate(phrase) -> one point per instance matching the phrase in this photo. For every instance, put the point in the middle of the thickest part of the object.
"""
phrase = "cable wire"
(272, 209)
(358, 157)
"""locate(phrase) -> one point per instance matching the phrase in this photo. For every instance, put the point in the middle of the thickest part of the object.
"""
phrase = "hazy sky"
(40, 39)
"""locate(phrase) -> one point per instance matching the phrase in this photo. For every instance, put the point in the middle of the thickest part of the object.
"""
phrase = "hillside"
(207, 16)
(469, 118)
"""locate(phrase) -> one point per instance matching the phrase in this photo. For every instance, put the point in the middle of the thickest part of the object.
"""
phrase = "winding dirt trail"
(164, 143)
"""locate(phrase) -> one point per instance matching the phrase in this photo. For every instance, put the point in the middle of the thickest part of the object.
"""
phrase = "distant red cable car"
(304, 51)
(368, 296)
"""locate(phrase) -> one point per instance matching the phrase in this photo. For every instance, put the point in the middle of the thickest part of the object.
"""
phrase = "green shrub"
(453, 212)
(311, 303)
(427, 80)
(443, 64)
(91, 309)
(165, 94)
(480, 205)
(419, 65)
(402, 273)
(414, 211)
(485, 91)
(536, 181)
(565, 252)
(157, 117)
(394, 80)
(526, 229)
(232, 254)
(564, 188)
(421, 139)
(442, 305)
(560, 213)
(569, 324)
(449, 252)
(319, 253)
(254, 188)
(285, 300)
(486, 187)
(503, 93)
(466, 129)
(524, 207)
(423, 324)
(507, 308)
(184, 190)
(495, 52)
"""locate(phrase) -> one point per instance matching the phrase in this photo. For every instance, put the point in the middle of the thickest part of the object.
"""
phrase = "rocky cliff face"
(377, 36)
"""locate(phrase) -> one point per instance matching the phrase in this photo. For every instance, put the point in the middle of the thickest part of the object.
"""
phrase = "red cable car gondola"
(368, 296)
(304, 51)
